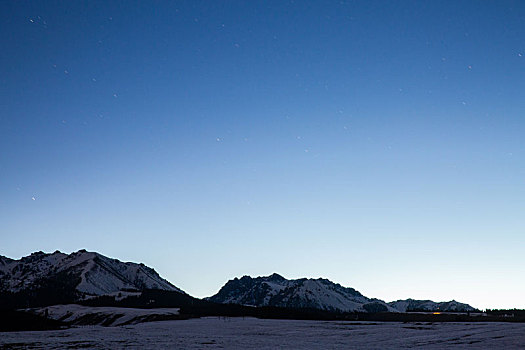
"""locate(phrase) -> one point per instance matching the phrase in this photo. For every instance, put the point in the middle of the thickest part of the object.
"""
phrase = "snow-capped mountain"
(275, 290)
(86, 273)
(429, 305)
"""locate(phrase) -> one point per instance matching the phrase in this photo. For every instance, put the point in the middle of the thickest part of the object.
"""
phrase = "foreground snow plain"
(239, 333)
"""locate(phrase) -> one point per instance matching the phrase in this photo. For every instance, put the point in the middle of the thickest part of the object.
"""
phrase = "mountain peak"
(275, 290)
(84, 273)
(275, 277)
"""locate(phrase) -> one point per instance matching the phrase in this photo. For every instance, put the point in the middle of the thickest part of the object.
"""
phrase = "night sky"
(378, 144)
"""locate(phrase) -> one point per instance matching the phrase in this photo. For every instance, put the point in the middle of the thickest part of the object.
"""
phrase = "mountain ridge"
(412, 305)
(276, 291)
(320, 293)
(47, 278)
(88, 273)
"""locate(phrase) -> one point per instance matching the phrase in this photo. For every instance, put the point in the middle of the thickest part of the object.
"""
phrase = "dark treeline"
(11, 320)
(518, 314)
(59, 289)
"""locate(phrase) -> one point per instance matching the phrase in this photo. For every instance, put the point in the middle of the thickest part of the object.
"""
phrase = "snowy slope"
(277, 291)
(105, 316)
(89, 273)
(429, 305)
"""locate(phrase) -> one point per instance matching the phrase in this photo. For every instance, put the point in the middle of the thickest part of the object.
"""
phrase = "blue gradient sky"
(377, 144)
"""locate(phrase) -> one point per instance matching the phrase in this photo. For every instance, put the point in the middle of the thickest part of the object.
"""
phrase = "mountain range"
(320, 294)
(57, 278)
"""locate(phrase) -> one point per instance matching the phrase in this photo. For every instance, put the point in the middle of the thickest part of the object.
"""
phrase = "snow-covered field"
(239, 333)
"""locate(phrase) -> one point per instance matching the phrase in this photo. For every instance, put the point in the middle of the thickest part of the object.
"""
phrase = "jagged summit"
(275, 290)
(276, 277)
(87, 273)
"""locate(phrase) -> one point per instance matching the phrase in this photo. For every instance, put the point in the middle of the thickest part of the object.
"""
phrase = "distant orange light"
(436, 313)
